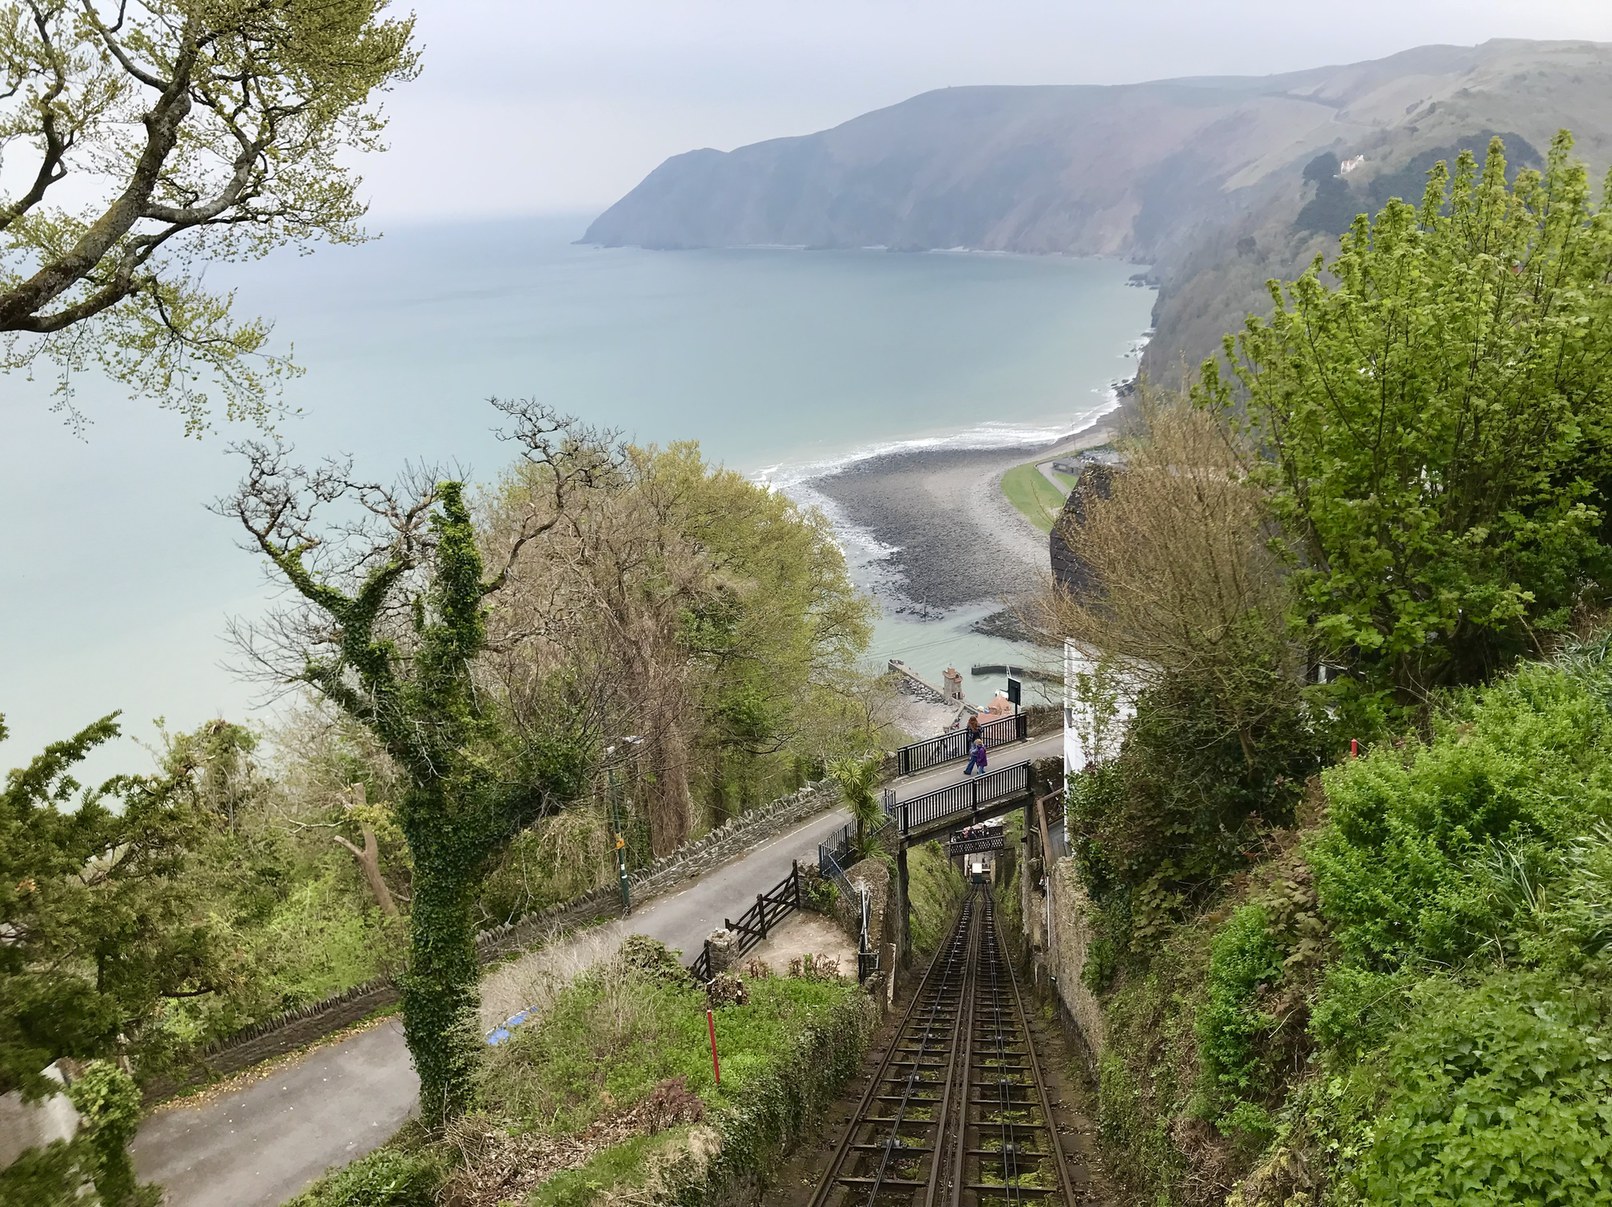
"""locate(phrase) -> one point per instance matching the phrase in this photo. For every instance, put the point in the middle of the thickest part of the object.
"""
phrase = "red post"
(1354, 748)
(716, 1067)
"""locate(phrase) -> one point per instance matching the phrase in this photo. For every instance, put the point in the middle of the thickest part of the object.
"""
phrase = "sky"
(552, 107)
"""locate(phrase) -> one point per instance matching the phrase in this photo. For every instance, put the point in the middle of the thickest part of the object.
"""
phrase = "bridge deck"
(976, 799)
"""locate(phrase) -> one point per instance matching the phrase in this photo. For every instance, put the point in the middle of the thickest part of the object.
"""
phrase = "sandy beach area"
(958, 540)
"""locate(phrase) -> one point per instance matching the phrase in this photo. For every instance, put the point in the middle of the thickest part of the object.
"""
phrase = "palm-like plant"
(858, 782)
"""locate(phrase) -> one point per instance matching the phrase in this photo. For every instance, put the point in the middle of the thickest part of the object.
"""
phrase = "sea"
(118, 585)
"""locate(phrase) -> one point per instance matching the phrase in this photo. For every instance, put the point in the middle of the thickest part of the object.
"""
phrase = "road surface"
(266, 1138)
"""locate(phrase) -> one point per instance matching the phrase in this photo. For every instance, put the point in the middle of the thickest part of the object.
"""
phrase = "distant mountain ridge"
(1204, 178)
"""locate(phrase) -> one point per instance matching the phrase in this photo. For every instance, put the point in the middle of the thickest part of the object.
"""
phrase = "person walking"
(976, 757)
(973, 729)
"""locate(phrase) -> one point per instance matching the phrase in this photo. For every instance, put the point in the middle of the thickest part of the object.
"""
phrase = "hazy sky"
(540, 107)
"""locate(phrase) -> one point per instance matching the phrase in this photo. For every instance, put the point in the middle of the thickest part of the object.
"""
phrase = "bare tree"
(1181, 577)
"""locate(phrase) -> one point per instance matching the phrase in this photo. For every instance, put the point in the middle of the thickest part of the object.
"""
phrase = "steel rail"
(1006, 1090)
(968, 1127)
(937, 990)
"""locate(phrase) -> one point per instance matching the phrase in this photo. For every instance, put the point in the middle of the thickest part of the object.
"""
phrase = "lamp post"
(615, 823)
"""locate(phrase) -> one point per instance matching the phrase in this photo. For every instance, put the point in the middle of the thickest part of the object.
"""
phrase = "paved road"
(1051, 475)
(258, 1144)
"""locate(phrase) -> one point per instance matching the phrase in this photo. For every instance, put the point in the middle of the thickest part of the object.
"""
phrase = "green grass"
(603, 1045)
(1038, 500)
(619, 1035)
(619, 1167)
(935, 888)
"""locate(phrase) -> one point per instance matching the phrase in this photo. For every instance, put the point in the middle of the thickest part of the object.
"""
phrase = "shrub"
(387, 1177)
(1187, 802)
(819, 894)
(1500, 1093)
(1245, 963)
(53, 1176)
(109, 1101)
(1398, 869)
(653, 960)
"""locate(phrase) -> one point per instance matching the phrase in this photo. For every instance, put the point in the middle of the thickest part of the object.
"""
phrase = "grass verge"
(935, 888)
(610, 1095)
(1038, 500)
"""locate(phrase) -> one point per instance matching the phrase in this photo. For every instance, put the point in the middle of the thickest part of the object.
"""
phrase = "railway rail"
(957, 1111)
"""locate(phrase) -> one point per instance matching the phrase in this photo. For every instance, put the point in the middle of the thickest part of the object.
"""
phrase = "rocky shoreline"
(958, 541)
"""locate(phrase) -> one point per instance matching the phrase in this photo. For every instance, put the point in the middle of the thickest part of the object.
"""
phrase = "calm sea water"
(116, 582)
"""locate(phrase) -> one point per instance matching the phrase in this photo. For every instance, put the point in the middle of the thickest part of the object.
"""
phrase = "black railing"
(949, 747)
(971, 846)
(755, 923)
(960, 800)
(837, 852)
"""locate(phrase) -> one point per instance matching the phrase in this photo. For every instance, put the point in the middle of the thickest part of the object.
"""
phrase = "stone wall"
(296, 1028)
(1066, 953)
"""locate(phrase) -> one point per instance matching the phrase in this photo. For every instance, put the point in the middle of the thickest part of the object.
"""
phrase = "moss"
(934, 891)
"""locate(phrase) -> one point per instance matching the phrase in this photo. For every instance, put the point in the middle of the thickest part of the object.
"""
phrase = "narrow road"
(1051, 475)
(263, 1140)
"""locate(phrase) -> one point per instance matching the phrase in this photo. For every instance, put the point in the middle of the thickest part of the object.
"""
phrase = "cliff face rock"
(1204, 178)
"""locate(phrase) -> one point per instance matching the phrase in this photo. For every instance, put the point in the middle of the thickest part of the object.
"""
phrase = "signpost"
(616, 825)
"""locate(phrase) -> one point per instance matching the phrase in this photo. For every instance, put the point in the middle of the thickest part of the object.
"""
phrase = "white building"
(1096, 708)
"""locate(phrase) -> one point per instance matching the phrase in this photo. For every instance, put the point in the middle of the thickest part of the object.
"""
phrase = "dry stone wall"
(1067, 950)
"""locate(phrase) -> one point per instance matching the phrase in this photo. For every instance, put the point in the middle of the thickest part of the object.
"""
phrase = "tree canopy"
(186, 131)
(702, 612)
(1434, 409)
(100, 925)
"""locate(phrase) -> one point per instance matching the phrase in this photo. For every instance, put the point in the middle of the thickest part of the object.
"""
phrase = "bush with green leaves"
(1405, 870)
(1498, 1093)
(1186, 803)
(1245, 965)
(397, 1175)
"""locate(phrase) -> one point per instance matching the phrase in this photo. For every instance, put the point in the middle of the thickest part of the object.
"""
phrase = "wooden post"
(761, 913)
(716, 1065)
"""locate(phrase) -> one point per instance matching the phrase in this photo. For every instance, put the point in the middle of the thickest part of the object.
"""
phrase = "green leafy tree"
(390, 631)
(1435, 409)
(205, 130)
(704, 613)
(101, 926)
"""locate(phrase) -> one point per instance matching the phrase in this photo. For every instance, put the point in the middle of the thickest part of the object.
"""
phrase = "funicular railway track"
(956, 1112)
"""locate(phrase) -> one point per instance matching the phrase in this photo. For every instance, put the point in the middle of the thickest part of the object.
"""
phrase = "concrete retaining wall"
(25, 1125)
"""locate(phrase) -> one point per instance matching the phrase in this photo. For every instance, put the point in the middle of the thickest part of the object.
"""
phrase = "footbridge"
(931, 805)
(967, 802)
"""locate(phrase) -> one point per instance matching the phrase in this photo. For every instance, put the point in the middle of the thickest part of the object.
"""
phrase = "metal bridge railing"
(956, 800)
(948, 747)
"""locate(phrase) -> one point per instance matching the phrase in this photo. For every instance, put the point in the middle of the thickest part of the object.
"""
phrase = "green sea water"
(116, 583)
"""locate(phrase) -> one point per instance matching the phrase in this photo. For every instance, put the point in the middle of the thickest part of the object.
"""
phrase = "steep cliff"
(1202, 178)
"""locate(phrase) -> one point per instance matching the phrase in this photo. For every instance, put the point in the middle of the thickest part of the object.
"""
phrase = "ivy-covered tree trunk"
(390, 634)
(440, 988)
